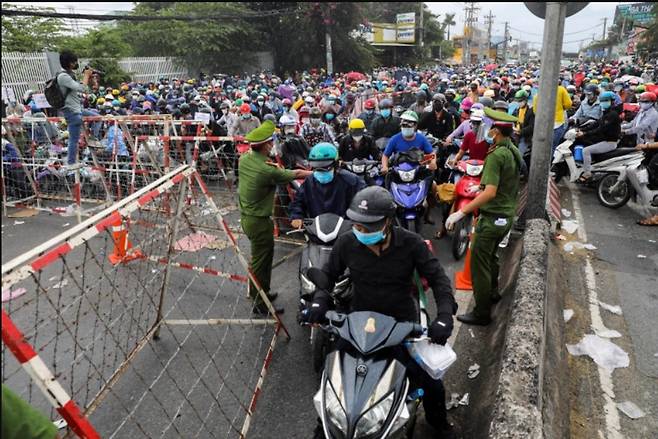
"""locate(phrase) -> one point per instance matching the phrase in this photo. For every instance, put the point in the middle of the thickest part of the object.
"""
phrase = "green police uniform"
(256, 190)
(501, 169)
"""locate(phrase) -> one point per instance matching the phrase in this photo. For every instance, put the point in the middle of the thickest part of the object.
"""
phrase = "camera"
(94, 71)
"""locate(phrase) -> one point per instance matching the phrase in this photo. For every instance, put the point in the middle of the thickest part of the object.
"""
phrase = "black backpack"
(53, 93)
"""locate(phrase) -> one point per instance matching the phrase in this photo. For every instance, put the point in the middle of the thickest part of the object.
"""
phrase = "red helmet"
(286, 101)
(369, 104)
(648, 96)
(245, 108)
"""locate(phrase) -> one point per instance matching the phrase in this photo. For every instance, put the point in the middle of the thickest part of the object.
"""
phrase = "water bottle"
(416, 394)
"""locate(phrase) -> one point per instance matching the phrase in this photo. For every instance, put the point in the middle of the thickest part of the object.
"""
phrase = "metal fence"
(25, 71)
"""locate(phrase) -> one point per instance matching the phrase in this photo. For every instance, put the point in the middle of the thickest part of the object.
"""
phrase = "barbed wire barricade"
(136, 322)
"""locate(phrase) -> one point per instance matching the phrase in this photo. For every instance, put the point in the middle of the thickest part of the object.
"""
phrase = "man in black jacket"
(438, 122)
(382, 260)
(357, 145)
(385, 125)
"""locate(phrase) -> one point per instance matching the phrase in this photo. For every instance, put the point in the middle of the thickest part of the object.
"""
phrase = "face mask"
(286, 109)
(260, 103)
(289, 130)
(315, 121)
(386, 112)
(489, 139)
(323, 177)
(245, 116)
(646, 105)
(371, 111)
(407, 132)
(225, 110)
(606, 104)
(357, 138)
(330, 116)
(369, 238)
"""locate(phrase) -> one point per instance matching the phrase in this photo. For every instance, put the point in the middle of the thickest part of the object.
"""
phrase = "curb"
(517, 407)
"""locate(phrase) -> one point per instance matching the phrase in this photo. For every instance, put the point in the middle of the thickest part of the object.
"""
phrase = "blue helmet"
(607, 96)
(322, 155)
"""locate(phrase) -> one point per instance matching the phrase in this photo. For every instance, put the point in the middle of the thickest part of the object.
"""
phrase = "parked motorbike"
(466, 189)
(410, 184)
(320, 234)
(616, 188)
(368, 170)
(602, 164)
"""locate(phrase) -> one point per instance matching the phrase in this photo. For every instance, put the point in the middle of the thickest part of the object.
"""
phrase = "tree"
(448, 22)
(648, 46)
(30, 34)
(217, 46)
(108, 41)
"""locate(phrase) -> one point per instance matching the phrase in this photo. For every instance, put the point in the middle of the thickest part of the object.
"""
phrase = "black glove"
(441, 328)
(315, 313)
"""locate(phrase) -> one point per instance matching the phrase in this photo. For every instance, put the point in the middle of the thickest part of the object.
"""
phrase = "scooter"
(602, 164)
(466, 189)
(410, 184)
(615, 189)
(320, 234)
(368, 170)
(365, 393)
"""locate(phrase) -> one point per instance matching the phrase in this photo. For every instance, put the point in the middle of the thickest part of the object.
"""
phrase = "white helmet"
(477, 115)
(286, 119)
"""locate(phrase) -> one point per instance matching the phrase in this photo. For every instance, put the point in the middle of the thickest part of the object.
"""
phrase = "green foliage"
(113, 74)
(30, 34)
(212, 45)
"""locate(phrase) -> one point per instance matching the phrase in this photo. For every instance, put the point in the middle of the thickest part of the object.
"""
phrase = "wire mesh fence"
(141, 315)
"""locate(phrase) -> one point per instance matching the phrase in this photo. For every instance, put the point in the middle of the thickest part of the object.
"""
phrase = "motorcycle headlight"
(407, 176)
(358, 169)
(334, 410)
(473, 170)
(375, 418)
(308, 287)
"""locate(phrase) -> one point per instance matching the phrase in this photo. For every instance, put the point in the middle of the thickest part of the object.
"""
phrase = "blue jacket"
(314, 199)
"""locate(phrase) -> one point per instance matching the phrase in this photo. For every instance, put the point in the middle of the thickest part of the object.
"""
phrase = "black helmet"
(371, 206)
(501, 105)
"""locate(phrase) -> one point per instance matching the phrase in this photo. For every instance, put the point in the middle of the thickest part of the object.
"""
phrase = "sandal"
(583, 179)
(651, 221)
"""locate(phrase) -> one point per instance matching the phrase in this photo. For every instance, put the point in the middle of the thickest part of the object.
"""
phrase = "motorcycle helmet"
(486, 101)
(521, 95)
(287, 120)
(371, 207)
(369, 104)
(323, 155)
(607, 96)
(466, 104)
(501, 106)
(648, 96)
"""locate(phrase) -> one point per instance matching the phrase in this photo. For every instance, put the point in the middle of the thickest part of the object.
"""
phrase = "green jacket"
(501, 169)
(257, 184)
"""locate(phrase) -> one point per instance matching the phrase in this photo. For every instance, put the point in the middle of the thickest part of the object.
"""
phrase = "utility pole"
(470, 9)
(543, 130)
(328, 21)
(605, 24)
(489, 22)
(505, 42)
(421, 31)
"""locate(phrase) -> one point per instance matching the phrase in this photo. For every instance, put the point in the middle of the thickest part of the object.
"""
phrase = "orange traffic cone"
(463, 278)
(122, 244)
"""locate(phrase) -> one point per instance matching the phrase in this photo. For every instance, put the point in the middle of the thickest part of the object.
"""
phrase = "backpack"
(54, 94)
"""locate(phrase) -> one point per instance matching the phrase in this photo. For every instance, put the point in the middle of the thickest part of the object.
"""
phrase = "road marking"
(605, 376)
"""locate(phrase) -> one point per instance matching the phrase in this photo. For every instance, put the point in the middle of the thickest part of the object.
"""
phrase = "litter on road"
(61, 284)
(66, 225)
(641, 256)
(566, 213)
(465, 400)
(570, 226)
(608, 333)
(18, 223)
(604, 353)
(474, 371)
(194, 242)
(454, 401)
(630, 410)
(568, 314)
(615, 309)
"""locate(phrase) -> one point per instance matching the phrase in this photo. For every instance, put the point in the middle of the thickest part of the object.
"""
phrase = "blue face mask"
(386, 112)
(488, 139)
(606, 104)
(330, 116)
(369, 238)
(323, 177)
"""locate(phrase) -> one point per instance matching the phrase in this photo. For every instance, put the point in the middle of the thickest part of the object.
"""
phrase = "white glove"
(474, 189)
(454, 219)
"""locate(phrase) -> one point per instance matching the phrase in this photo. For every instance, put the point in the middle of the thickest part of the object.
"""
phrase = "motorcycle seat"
(612, 154)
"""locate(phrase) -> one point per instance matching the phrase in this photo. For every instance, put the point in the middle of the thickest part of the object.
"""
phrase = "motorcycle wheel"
(319, 347)
(613, 200)
(461, 238)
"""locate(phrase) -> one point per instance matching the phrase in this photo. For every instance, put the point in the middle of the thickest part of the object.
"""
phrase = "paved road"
(621, 277)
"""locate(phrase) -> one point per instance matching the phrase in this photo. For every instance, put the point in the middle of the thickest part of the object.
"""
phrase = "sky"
(523, 24)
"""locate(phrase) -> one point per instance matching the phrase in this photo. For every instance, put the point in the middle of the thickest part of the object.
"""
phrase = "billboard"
(402, 32)
(639, 13)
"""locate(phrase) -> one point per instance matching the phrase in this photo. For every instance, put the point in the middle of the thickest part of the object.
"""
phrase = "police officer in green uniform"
(497, 203)
(256, 188)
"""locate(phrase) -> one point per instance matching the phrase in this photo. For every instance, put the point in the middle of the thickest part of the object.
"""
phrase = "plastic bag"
(445, 193)
(434, 358)
(604, 353)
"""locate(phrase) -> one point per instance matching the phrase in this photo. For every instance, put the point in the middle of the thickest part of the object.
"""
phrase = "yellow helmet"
(190, 81)
(357, 124)
(124, 87)
(116, 92)
(100, 101)
(594, 81)
(122, 99)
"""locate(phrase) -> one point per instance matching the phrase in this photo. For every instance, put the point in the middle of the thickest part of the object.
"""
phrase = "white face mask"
(407, 132)
(224, 110)
(315, 121)
(357, 138)
(289, 130)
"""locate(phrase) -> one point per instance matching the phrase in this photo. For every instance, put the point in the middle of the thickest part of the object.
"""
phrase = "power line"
(112, 17)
